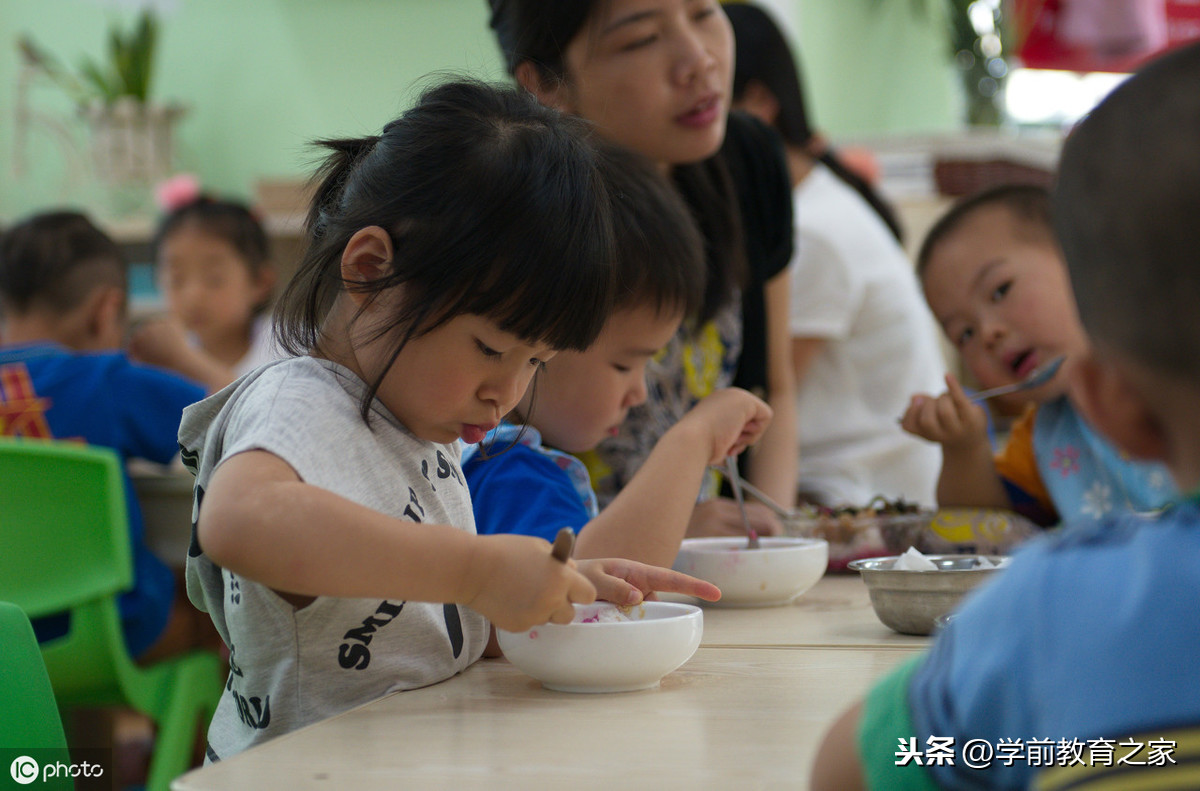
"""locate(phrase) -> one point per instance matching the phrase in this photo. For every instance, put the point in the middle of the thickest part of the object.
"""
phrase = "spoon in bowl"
(1036, 378)
(735, 483)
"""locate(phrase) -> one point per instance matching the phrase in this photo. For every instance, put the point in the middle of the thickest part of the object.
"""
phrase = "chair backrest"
(64, 532)
(30, 715)
(64, 547)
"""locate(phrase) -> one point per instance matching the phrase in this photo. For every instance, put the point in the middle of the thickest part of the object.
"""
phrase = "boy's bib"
(1086, 475)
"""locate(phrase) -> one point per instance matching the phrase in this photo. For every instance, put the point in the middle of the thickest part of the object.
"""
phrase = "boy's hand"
(628, 582)
(514, 582)
(733, 418)
(950, 419)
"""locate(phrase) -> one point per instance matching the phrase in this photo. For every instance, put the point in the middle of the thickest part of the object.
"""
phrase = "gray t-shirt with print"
(290, 667)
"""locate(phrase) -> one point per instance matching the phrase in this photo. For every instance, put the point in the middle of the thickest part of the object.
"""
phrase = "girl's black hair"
(226, 219)
(763, 54)
(495, 207)
(659, 257)
(53, 260)
(538, 31)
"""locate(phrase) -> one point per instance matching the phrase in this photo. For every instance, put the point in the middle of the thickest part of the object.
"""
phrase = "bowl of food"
(607, 648)
(855, 532)
(908, 600)
(777, 571)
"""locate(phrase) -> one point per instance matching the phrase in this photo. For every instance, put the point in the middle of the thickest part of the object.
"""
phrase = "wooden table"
(835, 613)
(748, 710)
(729, 718)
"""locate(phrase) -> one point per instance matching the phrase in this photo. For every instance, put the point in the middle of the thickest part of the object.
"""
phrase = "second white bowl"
(775, 573)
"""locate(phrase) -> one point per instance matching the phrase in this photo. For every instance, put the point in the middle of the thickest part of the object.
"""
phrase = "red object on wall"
(1100, 35)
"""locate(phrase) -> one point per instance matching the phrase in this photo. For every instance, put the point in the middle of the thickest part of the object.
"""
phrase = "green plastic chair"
(64, 546)
(29, 718)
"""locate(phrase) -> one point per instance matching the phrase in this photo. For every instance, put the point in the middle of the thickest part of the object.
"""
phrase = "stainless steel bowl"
(910, 601)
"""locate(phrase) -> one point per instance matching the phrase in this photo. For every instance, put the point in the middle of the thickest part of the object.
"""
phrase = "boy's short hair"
(659, 251)
(1127, 212)
(54, 260)
(1029, 204)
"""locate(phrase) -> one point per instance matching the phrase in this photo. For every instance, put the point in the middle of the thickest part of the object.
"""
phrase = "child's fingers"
(668, 581)
(581, 590)
(956, 392)
(563, 615)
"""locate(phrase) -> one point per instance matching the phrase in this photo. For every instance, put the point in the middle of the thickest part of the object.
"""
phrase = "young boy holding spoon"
(996, 281)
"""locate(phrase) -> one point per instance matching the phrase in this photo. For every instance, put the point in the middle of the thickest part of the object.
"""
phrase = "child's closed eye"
(488, 351)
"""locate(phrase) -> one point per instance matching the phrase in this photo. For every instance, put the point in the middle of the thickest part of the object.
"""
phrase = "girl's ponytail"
(332, 174)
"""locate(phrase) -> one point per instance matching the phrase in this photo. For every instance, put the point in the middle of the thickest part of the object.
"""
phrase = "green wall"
(261, 78)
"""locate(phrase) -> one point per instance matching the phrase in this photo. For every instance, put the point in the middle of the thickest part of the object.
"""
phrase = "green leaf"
(104, 85)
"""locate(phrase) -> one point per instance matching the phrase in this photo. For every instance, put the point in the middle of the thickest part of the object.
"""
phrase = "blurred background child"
(995, 279)
(582, 397)
(63, 299)
(1089, 637)
(449, 257)
(862, 338)
(215, 274)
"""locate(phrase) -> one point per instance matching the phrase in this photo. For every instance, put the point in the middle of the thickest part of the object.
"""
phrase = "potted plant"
(130, 133)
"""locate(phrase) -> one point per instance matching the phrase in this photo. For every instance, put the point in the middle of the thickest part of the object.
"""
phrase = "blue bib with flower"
(1085, 475)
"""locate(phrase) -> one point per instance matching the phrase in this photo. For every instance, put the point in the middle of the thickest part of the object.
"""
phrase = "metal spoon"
(1037, 377)
(735, 483)
(755, 492)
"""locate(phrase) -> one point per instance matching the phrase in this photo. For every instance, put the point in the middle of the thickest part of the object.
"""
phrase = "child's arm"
(163, 342)
(837, 766)
(647, 520)
(969, 475)
(258, 519)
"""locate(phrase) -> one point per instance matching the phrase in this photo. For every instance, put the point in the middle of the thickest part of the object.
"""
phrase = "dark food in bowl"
(879, 527)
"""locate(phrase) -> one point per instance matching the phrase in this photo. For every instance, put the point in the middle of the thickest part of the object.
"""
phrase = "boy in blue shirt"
(1087, 639)
(63, 311)
(578, 399)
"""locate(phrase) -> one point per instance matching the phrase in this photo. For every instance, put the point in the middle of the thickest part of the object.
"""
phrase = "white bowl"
(778, 571)
(588, 655)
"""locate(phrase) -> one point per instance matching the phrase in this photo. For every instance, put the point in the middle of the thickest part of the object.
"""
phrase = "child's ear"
(1104, 394)
(550, 92)
(264, 284)
(367, 257)
(103, 325)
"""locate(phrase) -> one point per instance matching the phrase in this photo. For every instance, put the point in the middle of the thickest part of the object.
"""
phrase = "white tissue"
(912, 560)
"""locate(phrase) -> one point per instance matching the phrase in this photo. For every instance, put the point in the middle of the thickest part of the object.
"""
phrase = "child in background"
(995, 279)
(215, 273)
(1091, 634)
(862, 336)
(63, 301)
(448, 259)
(581, 397)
